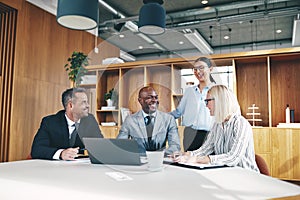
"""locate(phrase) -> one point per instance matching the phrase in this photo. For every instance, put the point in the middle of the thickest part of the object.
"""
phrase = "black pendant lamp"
(78, 14)
(152, 17)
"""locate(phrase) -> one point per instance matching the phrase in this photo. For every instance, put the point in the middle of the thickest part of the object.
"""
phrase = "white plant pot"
(109, 102)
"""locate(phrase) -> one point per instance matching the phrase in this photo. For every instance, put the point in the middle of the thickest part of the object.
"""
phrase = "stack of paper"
(108, 108)
(108, 124)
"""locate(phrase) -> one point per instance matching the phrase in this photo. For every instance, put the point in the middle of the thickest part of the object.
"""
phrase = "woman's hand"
(197, 159)
(180, 156)
(202, 159)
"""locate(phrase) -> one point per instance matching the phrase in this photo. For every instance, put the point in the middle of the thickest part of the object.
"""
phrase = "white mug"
(155, 160)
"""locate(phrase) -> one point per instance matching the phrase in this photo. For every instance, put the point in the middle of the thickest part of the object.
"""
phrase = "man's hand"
(69, 154)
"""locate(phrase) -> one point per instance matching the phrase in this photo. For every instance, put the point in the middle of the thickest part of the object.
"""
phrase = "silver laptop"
(112, 151)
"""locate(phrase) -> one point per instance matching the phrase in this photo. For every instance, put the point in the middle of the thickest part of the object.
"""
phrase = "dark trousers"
(193, 139)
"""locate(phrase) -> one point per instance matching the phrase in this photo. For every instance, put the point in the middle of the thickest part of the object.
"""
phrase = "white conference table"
(42, 179)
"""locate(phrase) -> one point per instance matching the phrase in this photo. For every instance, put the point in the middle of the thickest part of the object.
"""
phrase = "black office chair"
(262, 165)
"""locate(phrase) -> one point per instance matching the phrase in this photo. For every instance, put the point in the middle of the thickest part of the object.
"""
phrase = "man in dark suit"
(59, 135)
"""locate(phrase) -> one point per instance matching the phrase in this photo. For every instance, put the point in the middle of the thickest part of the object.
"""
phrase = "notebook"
(112, 151)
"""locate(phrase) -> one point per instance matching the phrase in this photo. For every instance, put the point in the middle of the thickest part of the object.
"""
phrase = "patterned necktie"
(74, 135)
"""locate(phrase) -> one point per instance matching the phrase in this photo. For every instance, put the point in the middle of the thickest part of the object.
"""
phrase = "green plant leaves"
(75, 67)
(112, 94)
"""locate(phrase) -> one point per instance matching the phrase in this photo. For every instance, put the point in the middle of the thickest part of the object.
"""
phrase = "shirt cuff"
(212, 159)
(56, 156)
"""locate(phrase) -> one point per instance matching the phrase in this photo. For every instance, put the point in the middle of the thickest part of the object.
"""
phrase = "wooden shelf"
(88, 85)
(256, 76)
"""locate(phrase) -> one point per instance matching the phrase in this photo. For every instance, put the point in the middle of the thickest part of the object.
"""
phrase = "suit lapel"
(157, 123)
(141, 124)
(64, 130)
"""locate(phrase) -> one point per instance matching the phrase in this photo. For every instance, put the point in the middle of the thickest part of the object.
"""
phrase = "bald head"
(148, 99)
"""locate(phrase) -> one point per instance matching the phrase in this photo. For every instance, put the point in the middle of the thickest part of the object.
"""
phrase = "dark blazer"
(53, 134)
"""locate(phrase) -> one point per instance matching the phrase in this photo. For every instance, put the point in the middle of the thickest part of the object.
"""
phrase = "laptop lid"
(89, 127)
(112, 151)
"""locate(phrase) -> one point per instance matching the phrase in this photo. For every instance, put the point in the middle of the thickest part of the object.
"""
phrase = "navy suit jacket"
(53, 134)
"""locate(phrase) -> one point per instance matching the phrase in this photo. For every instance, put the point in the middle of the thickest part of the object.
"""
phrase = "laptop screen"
(112, 151)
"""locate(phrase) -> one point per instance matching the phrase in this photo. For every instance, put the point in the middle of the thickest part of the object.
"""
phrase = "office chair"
(28, 157)
(262, 165)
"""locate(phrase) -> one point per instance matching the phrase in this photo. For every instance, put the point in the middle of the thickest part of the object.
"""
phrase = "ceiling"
(249, 24)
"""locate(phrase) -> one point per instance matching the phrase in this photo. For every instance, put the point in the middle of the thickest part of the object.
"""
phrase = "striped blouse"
(231, 142)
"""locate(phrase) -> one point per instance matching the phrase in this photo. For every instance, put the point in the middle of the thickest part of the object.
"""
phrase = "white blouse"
(231, 143)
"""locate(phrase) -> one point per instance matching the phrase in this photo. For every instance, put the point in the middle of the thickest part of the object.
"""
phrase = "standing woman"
(195, 115)
(231, 137)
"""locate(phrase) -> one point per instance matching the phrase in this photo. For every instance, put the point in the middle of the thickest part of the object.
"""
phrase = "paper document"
(200, 165)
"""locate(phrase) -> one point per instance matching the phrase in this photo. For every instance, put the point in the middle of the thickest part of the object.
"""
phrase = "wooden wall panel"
(285, 86)
(252, 86)
(17, 4)
(8, 22)
(42, 49)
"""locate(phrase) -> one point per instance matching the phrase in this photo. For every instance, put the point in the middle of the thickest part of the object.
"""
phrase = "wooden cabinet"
(263, 144)
(280, 147)
(286, 153)
(285, 86)
(252, 86)
(270, 82)
(109, 132)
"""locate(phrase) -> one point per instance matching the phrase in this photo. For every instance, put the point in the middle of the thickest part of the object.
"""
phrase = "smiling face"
(202, 71)
(79, 106)
(148, 100)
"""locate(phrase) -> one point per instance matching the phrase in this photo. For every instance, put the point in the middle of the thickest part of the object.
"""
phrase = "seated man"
(59, 135)
(150, 127)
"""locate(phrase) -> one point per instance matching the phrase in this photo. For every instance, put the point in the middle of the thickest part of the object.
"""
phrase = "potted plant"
(110, 97)
(75, 67)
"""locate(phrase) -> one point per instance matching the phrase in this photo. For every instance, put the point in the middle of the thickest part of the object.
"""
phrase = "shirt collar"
(146, 114)
(233, 115)
(69, 121)
(204, 89)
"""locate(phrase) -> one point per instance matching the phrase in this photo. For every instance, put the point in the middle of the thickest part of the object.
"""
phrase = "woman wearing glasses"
(195, 115)
(230, 138)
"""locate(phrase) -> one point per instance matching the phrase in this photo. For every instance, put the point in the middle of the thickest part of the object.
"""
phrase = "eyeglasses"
(207, 100)
(200, 68)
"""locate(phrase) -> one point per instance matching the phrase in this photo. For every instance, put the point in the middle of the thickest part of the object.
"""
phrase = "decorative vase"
(109, 102)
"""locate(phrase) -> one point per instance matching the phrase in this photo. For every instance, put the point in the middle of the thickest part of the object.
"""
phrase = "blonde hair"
(226, 102)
